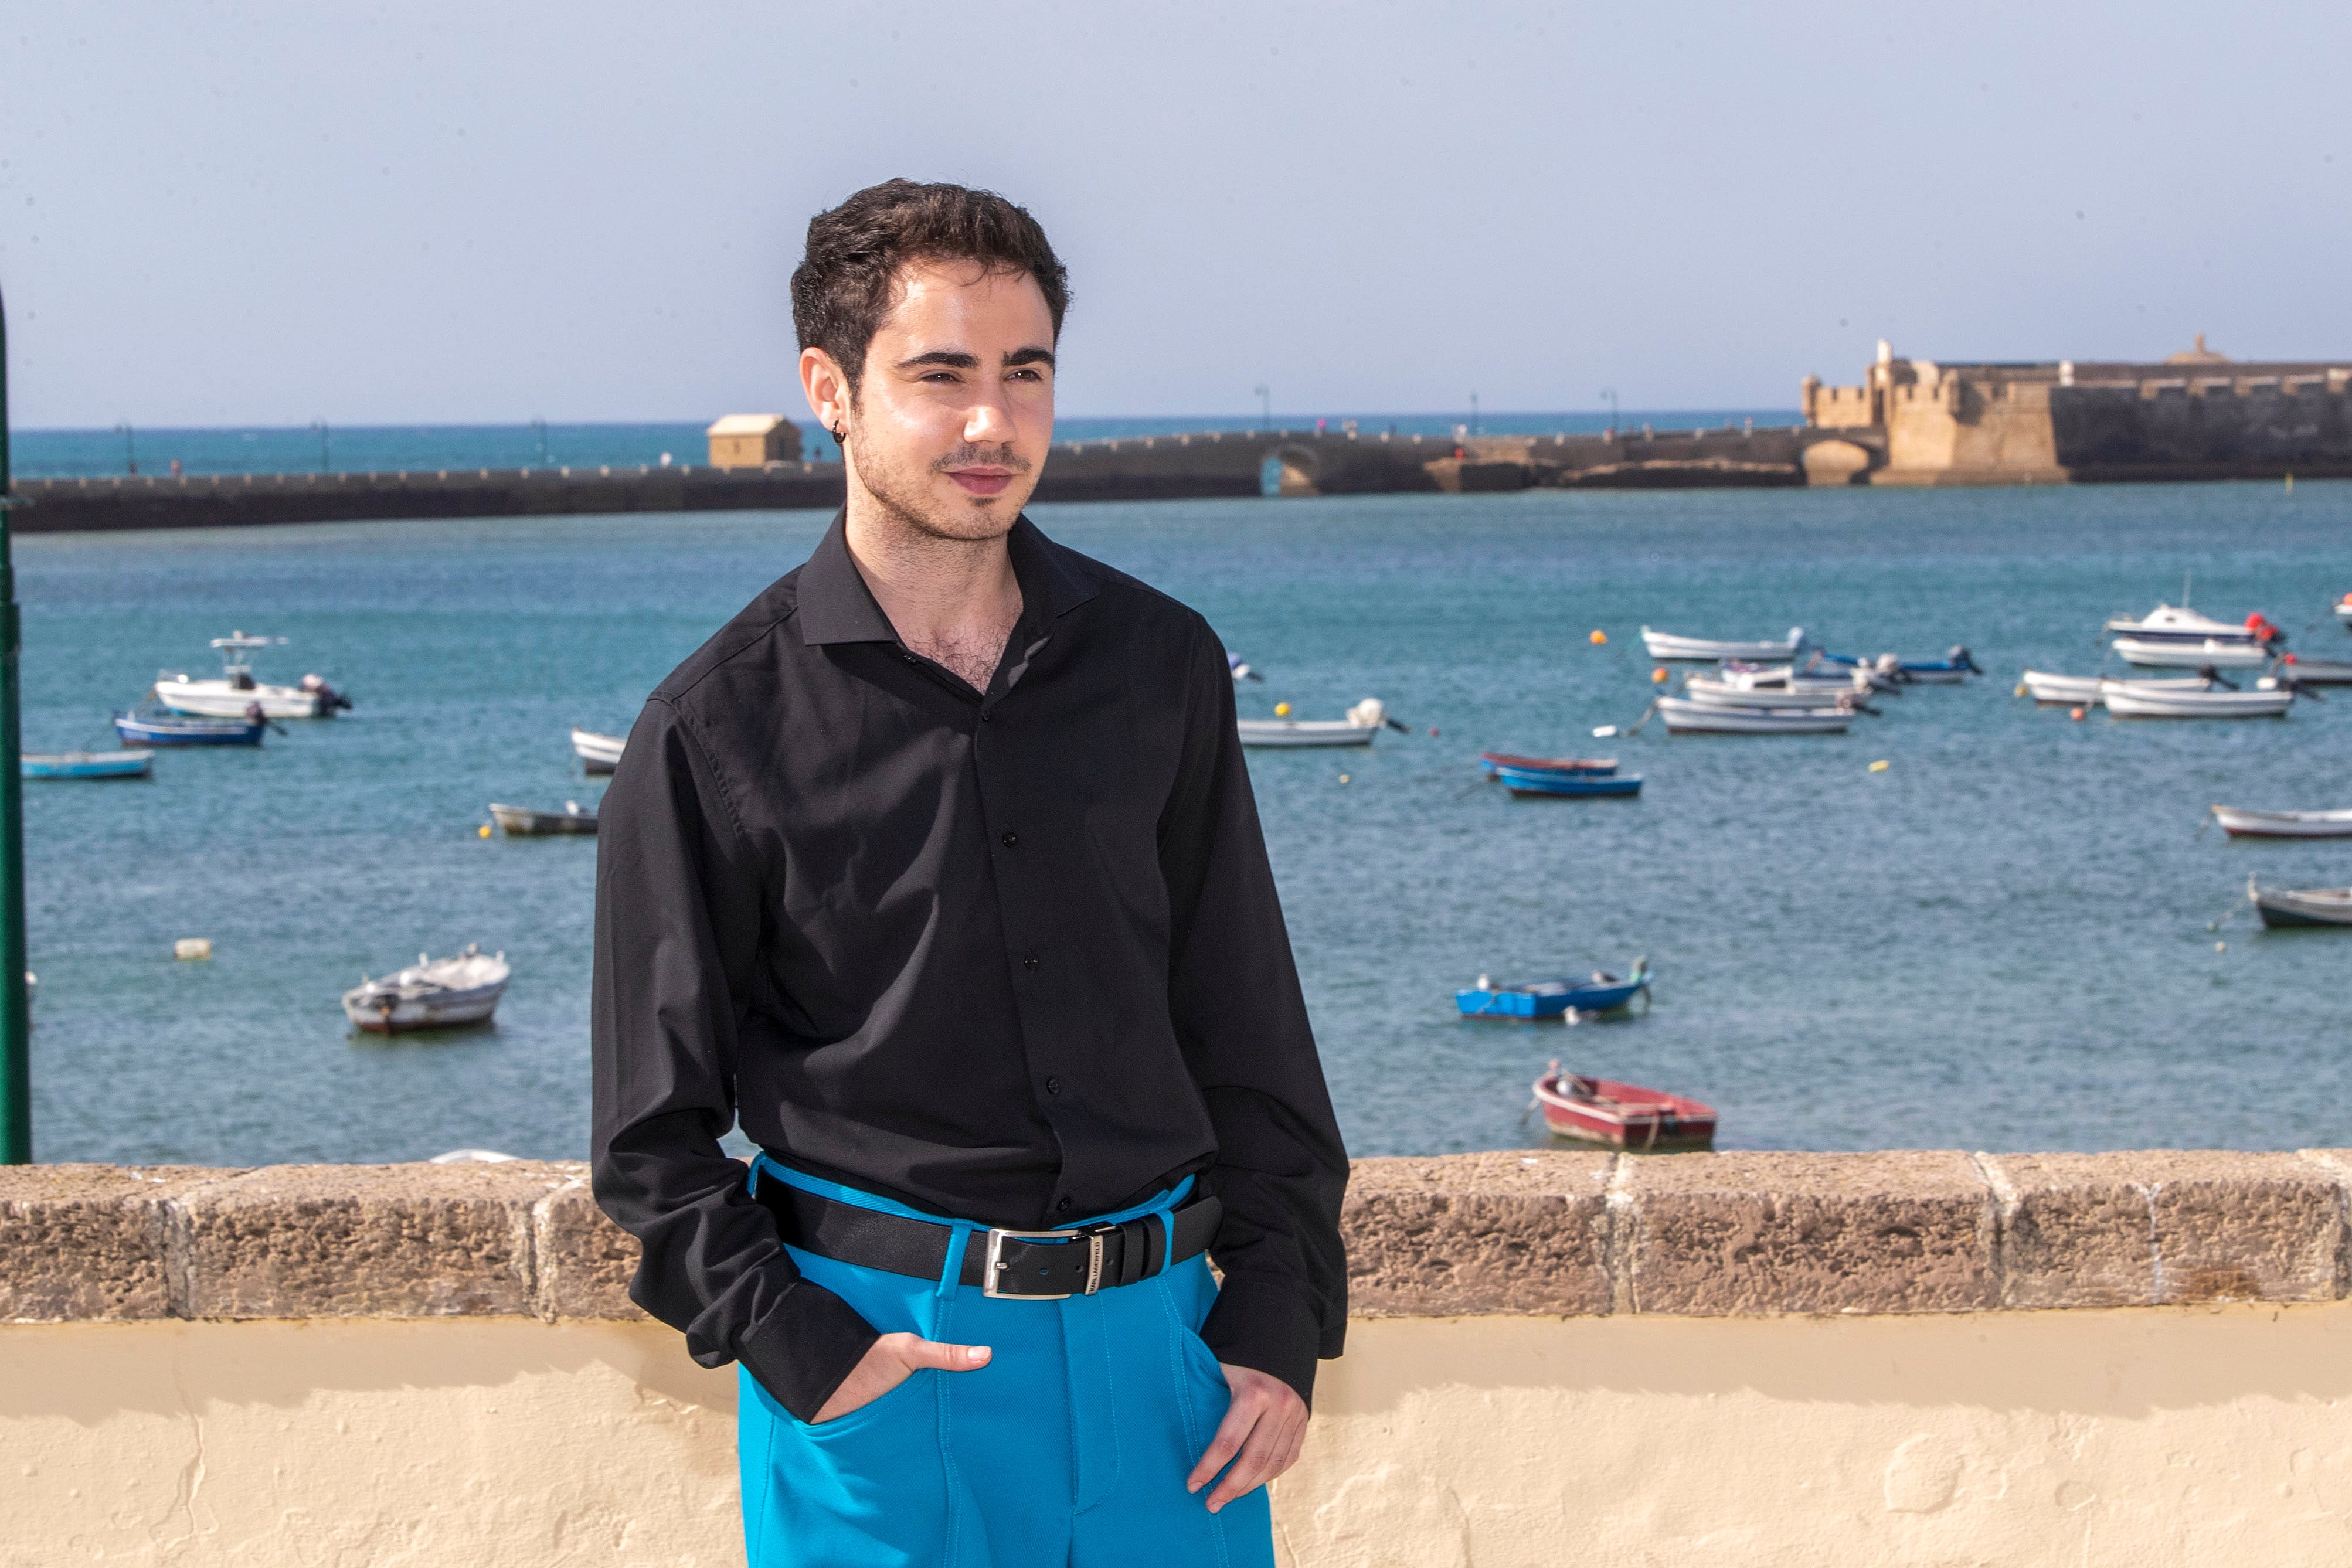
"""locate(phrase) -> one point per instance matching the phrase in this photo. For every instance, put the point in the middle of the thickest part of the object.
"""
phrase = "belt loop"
(951, 1272)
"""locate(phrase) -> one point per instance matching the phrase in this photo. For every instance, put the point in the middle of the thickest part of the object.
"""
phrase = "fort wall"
(1914, 1358)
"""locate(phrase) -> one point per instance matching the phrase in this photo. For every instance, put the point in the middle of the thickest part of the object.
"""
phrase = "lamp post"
(321, 426)
(1264, 408)
(1474, 413)
(15, 1017)
(1611, 393)
(130, 456)
(540, 426)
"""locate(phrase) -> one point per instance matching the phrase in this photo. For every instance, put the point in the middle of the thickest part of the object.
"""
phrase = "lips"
(982, 481)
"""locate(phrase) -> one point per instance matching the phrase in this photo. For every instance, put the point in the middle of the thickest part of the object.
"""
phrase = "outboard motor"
(1959, 656)
(331, 699)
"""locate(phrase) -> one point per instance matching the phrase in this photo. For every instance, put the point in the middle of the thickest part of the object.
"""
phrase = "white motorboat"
(2171, 623)
(1734, 692)
(2301, 905)
(1664, 645)
(432, 993)
(597, 753)
(2171, 655)
(237, 694)
(1684, 716)
(2131, 699)
(2241, 824)
(2344, 611)
(1363, 722)
(2084, 690)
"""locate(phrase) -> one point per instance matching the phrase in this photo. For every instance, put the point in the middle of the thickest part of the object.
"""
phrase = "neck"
(953, 601)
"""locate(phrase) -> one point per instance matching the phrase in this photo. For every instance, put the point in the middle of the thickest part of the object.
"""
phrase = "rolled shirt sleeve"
(678, 922)
(1280, 1169)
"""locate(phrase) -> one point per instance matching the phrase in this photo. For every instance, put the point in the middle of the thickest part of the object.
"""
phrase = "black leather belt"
(1041, 1265)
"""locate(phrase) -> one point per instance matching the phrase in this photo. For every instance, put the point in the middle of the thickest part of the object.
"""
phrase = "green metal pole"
(16, 1016)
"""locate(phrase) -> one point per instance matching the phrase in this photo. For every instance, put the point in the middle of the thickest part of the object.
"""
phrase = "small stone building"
(750, 439)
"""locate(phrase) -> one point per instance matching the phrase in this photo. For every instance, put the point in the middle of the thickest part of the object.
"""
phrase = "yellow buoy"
(1879, 766)
(484, 829)
(1600, 638)
(2020, 691)
(1343, 779)
(1282, 710)
(1658, 676)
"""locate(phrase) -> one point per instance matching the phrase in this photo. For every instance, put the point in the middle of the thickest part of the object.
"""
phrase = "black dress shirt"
(1013, 956)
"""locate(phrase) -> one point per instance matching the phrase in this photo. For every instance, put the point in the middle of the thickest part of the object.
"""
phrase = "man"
(938, 868)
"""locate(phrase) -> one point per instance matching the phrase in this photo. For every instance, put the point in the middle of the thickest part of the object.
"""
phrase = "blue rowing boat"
(1525, 782)
(1551, 998)
(88, 765)
(176, 729)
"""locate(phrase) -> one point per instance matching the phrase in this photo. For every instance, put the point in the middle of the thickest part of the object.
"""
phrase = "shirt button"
(1063, 1206)
(1009, 840)
(987, 715)
(1053, 1086)
(1030, 962)
(909, 657)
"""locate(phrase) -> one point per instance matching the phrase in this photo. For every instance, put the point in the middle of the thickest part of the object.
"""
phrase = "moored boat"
(1364, 721)
(1492, 760)
(1603, 992)
(2317, 671)
(1705, 650)
(235, 693)
(1953, 669)
(1739, 691)
(2179, 624)
(2174, 655)
(86, 765)
(178, 729)
(432, 993)
(2287, 907)
(2129, 699)
(1529, 782)
(1622, 1115)
(1684, 716)
(2241, 824)
(2084, 690)
(597, 753)
(523, 822)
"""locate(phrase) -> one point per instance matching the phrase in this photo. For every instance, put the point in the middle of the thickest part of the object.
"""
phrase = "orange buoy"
(1600, 638)
(1658, 676)
(2075, 714)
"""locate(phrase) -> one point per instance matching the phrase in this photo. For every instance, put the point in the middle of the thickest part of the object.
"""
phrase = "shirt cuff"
(1268, 1328)
(803, 1350)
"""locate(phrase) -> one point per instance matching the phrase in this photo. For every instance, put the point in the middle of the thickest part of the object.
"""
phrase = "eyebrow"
(957, 360)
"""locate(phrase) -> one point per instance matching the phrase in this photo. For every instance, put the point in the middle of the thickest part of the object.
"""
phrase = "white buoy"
(193, 947)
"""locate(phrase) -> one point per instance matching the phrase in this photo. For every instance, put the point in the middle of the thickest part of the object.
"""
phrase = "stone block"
(86, 1243)
(1749, 1234)
(585, 1262)
(2231, 1225)
(410, 1240)
(2076, 1230)
(1476, 1234)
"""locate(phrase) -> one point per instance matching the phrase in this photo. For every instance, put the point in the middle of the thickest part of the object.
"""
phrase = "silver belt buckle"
(995, 1262)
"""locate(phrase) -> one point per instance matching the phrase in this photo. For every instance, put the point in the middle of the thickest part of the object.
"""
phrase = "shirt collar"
(836, 605)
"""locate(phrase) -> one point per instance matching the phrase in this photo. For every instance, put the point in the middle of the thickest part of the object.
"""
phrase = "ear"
(825, 387)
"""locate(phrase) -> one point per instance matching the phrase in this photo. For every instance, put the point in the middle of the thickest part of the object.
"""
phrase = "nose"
(987, 421)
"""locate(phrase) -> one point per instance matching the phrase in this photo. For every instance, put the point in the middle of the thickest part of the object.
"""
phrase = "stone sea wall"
(1923, 1357)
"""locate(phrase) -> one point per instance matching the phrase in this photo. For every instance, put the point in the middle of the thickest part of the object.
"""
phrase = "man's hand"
(890, 1361)
(1265, 1425)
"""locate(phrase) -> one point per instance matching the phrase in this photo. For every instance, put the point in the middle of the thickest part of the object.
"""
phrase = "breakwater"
(1196, 465)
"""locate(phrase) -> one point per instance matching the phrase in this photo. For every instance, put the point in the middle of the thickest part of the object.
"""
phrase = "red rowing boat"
(1494, 759)
(1622, 1115)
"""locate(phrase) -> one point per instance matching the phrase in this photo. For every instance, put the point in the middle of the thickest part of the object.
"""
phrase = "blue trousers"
(1070, 1447)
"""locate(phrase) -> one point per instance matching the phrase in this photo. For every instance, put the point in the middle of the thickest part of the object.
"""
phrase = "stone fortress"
(2197, 415)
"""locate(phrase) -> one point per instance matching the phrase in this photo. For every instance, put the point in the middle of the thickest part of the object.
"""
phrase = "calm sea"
(280, 449)
(2000, 941)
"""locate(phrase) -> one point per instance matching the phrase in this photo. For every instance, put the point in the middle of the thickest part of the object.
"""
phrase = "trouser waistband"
(1040, 1265)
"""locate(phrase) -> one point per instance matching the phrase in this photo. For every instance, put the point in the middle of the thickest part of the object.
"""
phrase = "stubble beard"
(904, 493)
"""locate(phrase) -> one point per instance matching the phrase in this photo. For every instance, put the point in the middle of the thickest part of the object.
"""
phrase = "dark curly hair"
(841, 290)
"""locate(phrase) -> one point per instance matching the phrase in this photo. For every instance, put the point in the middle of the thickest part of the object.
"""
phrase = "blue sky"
(424, 212)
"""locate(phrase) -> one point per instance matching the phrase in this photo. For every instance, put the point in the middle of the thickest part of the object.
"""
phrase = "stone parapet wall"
(1538, 1234)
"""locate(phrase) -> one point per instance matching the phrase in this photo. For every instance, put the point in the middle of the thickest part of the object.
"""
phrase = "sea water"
(2000, 940)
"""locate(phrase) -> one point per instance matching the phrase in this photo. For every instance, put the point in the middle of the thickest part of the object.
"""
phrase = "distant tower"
(1886, 351)
(2200, 355)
